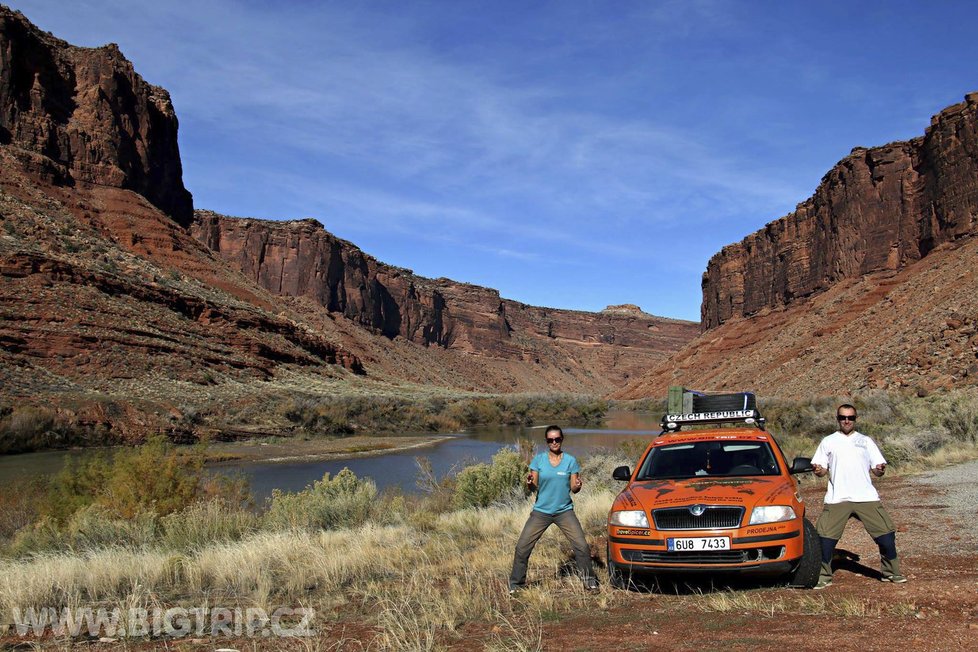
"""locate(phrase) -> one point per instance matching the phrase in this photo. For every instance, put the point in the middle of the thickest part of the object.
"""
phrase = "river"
(395, 469)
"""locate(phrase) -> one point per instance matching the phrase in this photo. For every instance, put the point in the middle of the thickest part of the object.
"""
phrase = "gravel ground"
(957, 486)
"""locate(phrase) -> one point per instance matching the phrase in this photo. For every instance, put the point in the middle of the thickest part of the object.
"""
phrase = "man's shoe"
(591, 584)
(823, 583)
(895, 578)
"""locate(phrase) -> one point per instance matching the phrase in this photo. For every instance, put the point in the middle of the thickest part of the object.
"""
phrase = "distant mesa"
(625, 308)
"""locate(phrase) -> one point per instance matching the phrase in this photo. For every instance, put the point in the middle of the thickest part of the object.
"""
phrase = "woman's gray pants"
(535, 526)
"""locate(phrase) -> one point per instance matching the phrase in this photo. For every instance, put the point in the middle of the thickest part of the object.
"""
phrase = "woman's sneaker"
(823, 583)
(895, 578)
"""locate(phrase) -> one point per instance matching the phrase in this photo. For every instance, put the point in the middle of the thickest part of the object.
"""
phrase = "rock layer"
(83, 115)
(878, 209)
(302, 259)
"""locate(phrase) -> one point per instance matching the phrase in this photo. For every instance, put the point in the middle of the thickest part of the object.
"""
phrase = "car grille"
(769, 553)
(712, 518)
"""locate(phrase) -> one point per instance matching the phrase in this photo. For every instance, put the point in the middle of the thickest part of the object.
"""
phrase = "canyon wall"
(83, 115)
(302, 259)
(878, 209)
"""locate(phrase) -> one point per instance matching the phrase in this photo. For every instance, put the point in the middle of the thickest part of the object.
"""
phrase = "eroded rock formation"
(878, 209)
(77, 114)
(302, 259)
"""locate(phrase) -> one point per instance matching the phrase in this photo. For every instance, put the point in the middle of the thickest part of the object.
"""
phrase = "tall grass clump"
(206, 522)
(341, 501)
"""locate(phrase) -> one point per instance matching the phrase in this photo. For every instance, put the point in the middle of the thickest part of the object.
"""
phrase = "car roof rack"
(690, 407)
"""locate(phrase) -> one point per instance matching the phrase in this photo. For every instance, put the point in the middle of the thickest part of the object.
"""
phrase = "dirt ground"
(936, 610)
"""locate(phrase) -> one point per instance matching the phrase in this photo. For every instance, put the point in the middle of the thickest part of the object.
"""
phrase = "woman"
(555, 475)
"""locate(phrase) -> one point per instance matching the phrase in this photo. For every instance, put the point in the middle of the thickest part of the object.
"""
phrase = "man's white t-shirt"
(849, 459)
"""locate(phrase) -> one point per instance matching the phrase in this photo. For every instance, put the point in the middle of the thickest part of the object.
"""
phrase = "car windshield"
(710, 459)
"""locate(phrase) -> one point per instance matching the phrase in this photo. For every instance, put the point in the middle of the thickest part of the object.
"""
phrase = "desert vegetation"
(26, 427)
(147, 527)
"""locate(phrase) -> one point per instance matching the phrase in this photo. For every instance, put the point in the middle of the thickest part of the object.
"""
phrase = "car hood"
(747, 492)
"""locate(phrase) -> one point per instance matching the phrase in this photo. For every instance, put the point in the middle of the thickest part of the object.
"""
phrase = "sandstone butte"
(870, 284)
(124, 307)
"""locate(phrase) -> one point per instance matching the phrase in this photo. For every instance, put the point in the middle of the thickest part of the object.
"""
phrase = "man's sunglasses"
(846, 417)
(555, 440)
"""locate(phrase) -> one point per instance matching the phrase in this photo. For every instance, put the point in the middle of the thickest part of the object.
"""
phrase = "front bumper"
(774, 553)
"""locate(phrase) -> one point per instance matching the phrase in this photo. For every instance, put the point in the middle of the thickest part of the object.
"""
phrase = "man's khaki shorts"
(832, 523)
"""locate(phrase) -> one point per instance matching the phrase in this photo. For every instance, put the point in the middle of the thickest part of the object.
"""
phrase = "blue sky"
(570, 154)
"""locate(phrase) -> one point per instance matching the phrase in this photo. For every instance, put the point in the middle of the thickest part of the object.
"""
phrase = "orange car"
(718, 499)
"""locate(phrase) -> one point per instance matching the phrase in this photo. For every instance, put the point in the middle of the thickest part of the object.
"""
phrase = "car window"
(710, 459)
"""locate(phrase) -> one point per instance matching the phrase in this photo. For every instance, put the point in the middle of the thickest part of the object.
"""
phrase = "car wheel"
(806, 573)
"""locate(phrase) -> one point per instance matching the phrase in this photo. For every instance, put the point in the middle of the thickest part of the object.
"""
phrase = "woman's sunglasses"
(555, 440)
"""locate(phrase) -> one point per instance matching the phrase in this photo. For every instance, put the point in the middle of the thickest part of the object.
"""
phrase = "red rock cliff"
(301, 259)
(878, 209)
(83, 115)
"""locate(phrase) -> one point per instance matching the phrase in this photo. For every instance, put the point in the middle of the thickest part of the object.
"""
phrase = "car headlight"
(629, 518)
(771, 514)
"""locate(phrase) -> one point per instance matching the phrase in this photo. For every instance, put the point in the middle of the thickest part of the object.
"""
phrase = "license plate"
(693, 544)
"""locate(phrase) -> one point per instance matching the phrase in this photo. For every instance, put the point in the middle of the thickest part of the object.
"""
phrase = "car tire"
(806, 573)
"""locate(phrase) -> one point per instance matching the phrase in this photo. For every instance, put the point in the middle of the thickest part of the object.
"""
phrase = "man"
(848, 457)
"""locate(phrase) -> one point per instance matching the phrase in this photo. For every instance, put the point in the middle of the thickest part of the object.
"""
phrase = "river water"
(396, 469)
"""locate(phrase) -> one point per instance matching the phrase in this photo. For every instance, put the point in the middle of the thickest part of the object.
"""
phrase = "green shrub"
(19, 503)
(79, 483)
(502, 480)
(342, 501)
(156, 477)
(92, 527)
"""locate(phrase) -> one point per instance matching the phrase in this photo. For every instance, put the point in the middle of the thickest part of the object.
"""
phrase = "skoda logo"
(697, 510)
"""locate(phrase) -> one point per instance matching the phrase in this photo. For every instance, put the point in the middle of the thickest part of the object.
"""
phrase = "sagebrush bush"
(499, 481)
(341, 501)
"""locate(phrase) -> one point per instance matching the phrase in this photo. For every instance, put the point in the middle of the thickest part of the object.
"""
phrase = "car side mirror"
(801, 465)
(622, 473)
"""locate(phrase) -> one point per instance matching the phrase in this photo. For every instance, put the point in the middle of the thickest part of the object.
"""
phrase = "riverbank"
(313, 449)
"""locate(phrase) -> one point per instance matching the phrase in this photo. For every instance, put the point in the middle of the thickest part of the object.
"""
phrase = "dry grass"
(768, 603)
(418, 587)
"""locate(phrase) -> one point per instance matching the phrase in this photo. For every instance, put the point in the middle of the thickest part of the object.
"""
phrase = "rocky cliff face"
(83, 115)
(879, 209)
(301, 259)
